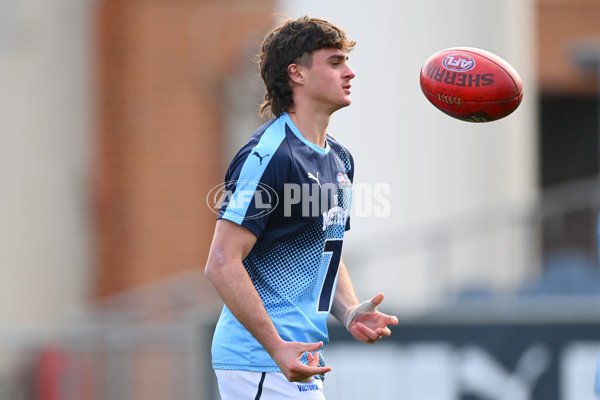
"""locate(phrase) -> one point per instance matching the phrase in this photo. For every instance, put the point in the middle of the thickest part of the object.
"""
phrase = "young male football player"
(275, 257)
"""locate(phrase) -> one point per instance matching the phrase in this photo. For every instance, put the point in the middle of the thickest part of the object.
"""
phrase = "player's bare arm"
(231, 244)
(364, 322)
(345, 295)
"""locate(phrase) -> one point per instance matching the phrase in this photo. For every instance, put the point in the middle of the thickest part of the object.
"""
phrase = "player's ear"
(295, 74)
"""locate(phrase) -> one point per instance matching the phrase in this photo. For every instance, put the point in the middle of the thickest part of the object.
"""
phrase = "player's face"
(327, 81)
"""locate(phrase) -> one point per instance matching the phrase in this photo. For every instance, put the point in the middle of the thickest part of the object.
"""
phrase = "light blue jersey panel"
(241, 205)
(597, 386)
(295, 260)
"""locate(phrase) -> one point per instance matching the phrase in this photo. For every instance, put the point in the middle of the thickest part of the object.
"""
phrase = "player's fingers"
(384, 332)
(371, 335)
(321, 370)
(307, 371)
(304, 347)
(298, 372)
(313, 359)
(316, 357)
(304, 374)
(358, 335)
(389, 319)
(377, 299)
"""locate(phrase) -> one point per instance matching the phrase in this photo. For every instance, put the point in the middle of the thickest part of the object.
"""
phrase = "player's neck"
(312, 125)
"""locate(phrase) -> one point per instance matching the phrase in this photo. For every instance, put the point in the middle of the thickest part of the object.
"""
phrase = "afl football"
(471, 84)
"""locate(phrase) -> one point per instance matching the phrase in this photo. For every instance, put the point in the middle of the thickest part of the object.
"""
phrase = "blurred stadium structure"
(490, 256)
(149, 343)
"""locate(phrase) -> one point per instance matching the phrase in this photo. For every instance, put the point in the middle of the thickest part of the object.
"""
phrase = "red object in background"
(471, 84)
(59, 375)
(50, 367)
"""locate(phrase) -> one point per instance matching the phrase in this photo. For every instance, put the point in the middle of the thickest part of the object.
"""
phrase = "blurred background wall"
(47, 132)
(118, 117)
(163, 67)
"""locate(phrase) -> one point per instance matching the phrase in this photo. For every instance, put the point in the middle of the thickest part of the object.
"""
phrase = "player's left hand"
(368, 325)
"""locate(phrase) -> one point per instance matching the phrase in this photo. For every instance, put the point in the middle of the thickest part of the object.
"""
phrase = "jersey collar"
(286, 118)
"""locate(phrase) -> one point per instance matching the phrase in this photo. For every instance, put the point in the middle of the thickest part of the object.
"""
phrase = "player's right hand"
(287, 356)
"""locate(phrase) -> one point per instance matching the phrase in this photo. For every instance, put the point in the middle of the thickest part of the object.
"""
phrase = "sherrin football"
(471, 84)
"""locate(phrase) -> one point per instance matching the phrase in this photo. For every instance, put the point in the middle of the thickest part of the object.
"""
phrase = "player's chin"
(339, 105)
(345, 102)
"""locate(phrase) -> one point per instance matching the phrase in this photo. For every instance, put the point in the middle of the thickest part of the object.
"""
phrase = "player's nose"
(349, 73)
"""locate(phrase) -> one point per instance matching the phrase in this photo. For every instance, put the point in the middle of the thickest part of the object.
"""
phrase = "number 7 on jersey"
(333, 247)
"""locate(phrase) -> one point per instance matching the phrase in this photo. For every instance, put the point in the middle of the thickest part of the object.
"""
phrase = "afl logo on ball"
(458, 62)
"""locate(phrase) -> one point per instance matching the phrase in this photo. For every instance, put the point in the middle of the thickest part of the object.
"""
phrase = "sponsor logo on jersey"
(309, 386)
(255, 153)
(314, 178)
(343, 180)
(458, 78)
(335, 216)
(458, 62)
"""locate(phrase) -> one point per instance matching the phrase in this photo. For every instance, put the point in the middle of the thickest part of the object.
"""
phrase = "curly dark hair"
(294, 41)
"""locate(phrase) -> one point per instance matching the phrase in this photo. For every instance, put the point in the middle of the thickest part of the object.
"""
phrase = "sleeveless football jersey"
(295, 197)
